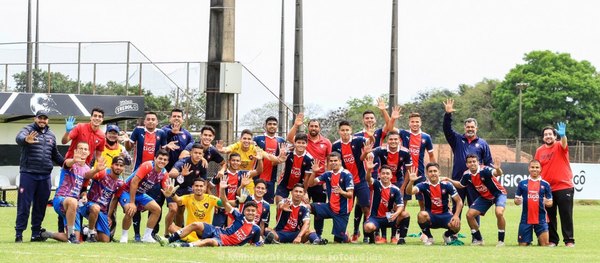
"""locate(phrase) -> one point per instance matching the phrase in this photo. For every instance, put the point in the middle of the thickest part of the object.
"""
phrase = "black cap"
(41, 113)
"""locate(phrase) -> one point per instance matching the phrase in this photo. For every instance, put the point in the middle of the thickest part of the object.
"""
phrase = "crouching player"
(387, 208)
(100, 202)
(293, 221)
(65, 202)
(435, 197)
(534, 193)
(241, 231)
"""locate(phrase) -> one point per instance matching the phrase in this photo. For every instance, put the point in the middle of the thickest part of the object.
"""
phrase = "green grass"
(586, 230)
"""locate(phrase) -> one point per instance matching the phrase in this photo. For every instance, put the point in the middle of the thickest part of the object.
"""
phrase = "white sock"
(70, 230)
(148, 232)
(125, 234)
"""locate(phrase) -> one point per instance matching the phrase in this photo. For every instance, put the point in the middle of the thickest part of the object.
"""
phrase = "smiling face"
(433, 174)
(259, 190)
(334, 162)
(297, 194)
(472, 164)
(207, 137)
(150, 122)
(198, 187)
(234, 163)
(250, 213)
(314, 128)
(345, 132)
(160, 161)
(535, 169)
(393, 141)
(246, 140)
(300, 146)
(271, 128)
(549, 137)
(117, 167)
(96, 119)
(84, 148)
(415, 124)
(470, 129)
(41, 121)
(176, 118)
(369, 120)
(385, 176)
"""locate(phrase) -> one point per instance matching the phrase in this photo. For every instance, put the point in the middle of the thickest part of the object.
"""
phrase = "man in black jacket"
(38, 150)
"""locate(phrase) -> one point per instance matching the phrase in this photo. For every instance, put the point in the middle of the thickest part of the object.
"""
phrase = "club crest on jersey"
(183, 136)
(443, 191)
(477, 145)
(423, 141)
(205, 205)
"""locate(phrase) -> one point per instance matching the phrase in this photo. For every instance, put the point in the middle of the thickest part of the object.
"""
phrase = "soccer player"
(104, 185)
(556, 170)
(186, 170)
(133, 194)
(65, 202)
(210, 152)
(239, 181)
(387, 208)
(491, 192)
(351, 149)
(436, 195)
(535, 194)
(340, 192)
(178, 136)
(462, 145)
(113, 146)
(397, 159)
(245, 148)
(263, 209)
(270, 143)
(318, 147)
(86, 132)
(293, 221)
(243, 229)
(297, 169)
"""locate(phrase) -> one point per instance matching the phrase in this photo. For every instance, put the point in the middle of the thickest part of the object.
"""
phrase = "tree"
(429, 105)
(560, 88)
(255, 119)
(352, 113)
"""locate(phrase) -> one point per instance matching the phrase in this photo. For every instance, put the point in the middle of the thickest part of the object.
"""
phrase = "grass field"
(586, 231)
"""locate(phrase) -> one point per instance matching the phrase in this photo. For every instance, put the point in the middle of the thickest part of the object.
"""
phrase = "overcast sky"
(346, 42)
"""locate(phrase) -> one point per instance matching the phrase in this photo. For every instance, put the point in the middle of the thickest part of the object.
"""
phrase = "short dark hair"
(234, 155)
(414, 114)
(368, 112)
(334, 154)
(385, 166)
(472, 155)
(260, 181)
(549, 127)
(199, 179)
(162, 152)
(314, 120)
(344, 123)
(301, 137)
(270, 118)
(250, 203)
(197, 146)
(97, 109)
(176, 110)
(393, 132)
(298, 185)
(151, 113)
(208, 128)
(534, 161)
(246, 131)
(432, 164)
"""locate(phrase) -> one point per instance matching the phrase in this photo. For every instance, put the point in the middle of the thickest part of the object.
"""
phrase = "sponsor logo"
(125, 106)
(533, 195)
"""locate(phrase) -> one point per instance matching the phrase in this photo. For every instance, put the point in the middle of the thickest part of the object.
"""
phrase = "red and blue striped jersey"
(263, 210)
(379, 135)
(385, 199)
(484, 182)
(148, 178)
(533, 193)
(292, 221)
(270, 145)
(417, 144)
(234, 180)
(351, 153)
(296, 167)
(338, 204)
(71, 180)
(437, 197)
(103, 188)
(240, 232)
(396, 160)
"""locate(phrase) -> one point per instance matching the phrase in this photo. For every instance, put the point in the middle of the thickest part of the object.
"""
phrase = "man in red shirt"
(318, 147)
(556, 170)
(86, 132)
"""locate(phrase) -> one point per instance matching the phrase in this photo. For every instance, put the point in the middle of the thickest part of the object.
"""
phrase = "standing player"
(270, 143)
(297, 169)
(556, 170)
(177, 136)
(351, 149)
(133, 194)
(491, 192)
(293, 221)
(318, 147)
(387, 208)
(113, 146)
(67, 195)
(241, 231)
(436, 195)
(462, 145)
(89, 133)
(340, 192)
(535, 194)
(104, 185)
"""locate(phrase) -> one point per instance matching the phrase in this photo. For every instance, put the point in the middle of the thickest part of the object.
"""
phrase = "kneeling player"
(387, 208)
(293, 221)
(241, 231)
(435, 197)
(534, 193)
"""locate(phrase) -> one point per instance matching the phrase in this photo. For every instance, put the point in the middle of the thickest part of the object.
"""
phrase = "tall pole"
(282, 120)
(520, 86)
(29, 49)
(298, 72)
(220, 107)
(37, 34)
(393, 99)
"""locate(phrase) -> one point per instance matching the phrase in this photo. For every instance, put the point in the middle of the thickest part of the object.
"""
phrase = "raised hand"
(224, 180)
(245, 180)
(449, 105)
(70, 123)
(260, 154)
(123, 137)
(368, 146)
(243, 196)
(219, 145)
(32, 137)
(101, 163)
(221, 172)
(561, 129)
(172, 145)
(381, 103)
(299, 119)
(412, 173)
(396, 110)
(369, 164)
(316, 165)
(170, 189)
(370, 129)
(185, 170)
(204, 162)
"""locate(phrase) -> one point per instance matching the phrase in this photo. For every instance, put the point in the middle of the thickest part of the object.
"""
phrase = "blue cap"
(112, 127)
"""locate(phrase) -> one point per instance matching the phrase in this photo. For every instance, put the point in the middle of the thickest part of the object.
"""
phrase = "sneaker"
(447, 240)
(428, 242)
(124, 239)
(365, 240)
(174, 244)
(500, 244)
(18, 239)
(355, 238)
(477, 242)
(321, 241)
(423, 237)
(269, 238)
(38, 237)
(148, 239)
(92, 237)
(45, 234)
(380, 240)
(161, 240)
(394, 240)
(552, 244)
(137, 239)
(570, 244)
(73, 239)
(401, 241)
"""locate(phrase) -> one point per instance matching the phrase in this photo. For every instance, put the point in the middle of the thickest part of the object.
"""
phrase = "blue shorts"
(440, 220)
(380, 222)
(482, 205)
(213, 232)
(57, 203)
(340, 222)
(282, 191)
(363, 194)
(220, 218)
(101, 223)
(287, 236)
(140, 199)
(526, 231)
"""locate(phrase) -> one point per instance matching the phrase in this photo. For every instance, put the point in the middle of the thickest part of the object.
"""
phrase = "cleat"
(447, 240)
(161, 240)
(394, 240)
(92, 237)
(477, 242)
(19, 239)
(500, 244)
(137, 239)
(428, 242)
(570, 244)
(355, 238)
(270, 238)
(423, 237)
(401, 241)
(39, 237)
(175, 244)
(123, 239)
(380, 240)
(73, 239)
(148, 239)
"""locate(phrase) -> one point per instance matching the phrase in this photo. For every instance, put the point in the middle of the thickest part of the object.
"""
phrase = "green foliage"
(353, 112)
(429, 104)
(560, 88)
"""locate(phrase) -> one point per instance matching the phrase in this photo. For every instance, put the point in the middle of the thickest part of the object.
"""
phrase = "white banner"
(586, 178)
